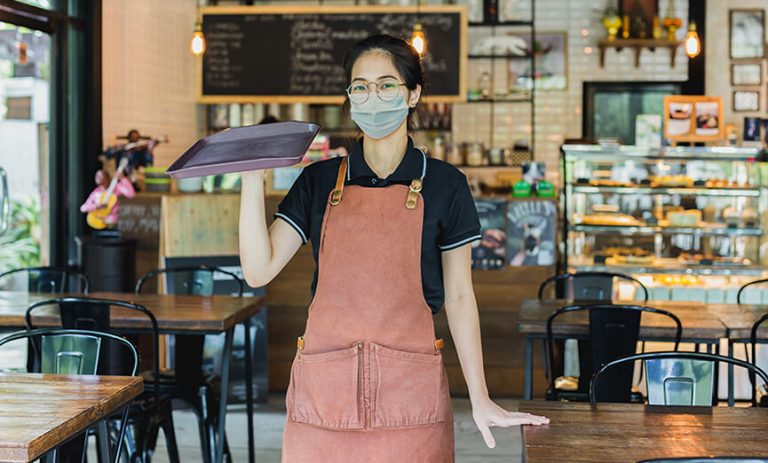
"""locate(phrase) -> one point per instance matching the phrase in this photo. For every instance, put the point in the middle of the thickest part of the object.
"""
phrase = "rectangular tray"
(246, 148)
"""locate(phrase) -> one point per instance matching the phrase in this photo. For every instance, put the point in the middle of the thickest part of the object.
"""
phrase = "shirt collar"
(413, 165)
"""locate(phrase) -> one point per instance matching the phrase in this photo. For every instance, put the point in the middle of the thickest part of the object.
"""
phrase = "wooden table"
(40, 412)
(702, 324)
(175, 315)
(631, 432)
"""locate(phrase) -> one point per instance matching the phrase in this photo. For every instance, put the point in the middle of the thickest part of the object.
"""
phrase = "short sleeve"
(296, 205)
(460, 225)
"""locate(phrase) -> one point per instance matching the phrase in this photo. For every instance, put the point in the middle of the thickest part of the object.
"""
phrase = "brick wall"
(149, 75)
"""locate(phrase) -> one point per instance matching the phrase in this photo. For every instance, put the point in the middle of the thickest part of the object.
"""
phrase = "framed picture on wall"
(693, 118)
(746, 100)
(746, 74)
(747, 33)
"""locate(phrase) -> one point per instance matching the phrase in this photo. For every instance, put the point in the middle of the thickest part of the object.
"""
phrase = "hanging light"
(692, 42)
(418, 41)
(23, 56)
(197, 45)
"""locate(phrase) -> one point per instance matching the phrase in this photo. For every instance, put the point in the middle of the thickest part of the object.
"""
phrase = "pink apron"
(368, 383)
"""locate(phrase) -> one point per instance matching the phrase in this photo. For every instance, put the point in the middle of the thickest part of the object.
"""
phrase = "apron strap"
(336, 195)
(413, 193)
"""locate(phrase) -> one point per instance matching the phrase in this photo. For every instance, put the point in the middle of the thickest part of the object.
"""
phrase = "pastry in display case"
(687, 221)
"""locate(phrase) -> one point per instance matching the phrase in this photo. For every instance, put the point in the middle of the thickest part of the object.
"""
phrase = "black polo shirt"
(450, 217)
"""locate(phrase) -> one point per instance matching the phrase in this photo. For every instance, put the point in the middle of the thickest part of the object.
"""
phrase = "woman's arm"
(464, 323)
(263, 252)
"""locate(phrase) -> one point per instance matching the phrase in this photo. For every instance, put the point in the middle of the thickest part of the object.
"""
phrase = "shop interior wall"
(149, 75)
(718, 72)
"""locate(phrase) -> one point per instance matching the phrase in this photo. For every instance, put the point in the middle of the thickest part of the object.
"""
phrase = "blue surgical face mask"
(379, 118)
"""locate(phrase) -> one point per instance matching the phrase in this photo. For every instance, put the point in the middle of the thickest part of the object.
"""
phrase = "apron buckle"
(300, 342)
(413, 193)
(335, 197)
(439, 344)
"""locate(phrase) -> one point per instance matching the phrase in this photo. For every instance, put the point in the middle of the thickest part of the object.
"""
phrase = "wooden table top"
(39, 412)
(632, 432)
(700, 321)
(209, 314)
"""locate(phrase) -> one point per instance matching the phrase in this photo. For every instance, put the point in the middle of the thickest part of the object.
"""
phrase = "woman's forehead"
(374, 65)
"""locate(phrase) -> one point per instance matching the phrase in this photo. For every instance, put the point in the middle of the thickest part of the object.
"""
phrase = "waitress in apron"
(391, 231)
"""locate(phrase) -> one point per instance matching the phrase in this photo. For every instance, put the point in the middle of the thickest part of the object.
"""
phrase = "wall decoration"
(751, 129)
(491, 251)
(746, 100)
(747, 33)
(746, 74)
(693, 118)
(531, 231)
(550, 51)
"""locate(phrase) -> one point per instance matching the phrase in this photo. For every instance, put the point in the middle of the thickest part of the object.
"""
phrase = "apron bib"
(368, 382)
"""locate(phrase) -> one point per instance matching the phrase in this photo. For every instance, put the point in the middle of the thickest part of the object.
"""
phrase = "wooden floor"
(269, 421)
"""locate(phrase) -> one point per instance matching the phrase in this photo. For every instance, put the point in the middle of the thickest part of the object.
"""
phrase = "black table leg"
(528, 392)
(225, 364)
(249, 389)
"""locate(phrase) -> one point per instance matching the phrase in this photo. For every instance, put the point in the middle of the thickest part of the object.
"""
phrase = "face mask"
(379, 118)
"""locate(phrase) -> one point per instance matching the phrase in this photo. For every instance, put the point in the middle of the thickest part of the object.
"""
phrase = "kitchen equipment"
(246, 148)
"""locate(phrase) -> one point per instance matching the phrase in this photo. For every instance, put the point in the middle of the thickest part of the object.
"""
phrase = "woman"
(391, 233)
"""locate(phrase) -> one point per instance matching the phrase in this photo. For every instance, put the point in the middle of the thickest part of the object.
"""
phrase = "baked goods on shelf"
(626, 255)
(687, 258)
(689, 218)
(609, 183)
(605, 219)
(672, 181)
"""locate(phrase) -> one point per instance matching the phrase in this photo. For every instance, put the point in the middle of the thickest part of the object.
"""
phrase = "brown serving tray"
(246, 148)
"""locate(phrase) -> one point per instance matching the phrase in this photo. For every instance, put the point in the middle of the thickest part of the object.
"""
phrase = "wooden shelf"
(516, 22)
(638, 45)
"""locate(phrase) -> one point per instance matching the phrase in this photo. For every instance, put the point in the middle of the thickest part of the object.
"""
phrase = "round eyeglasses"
(386, 89)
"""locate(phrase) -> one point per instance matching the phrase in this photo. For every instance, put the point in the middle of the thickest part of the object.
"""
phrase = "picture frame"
(746, 101)
(551, 63)
(746, 74)
(746, 33)
(693, 118)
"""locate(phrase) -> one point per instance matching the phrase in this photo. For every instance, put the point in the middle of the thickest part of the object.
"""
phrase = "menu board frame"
(461, 10)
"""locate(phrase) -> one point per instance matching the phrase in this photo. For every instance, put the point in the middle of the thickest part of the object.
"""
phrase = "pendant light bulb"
(197, 45)
(692, 42)
(418, 41)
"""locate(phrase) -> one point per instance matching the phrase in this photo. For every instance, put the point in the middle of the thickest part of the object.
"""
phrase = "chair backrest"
(588, 286)
(754, 340)
(741, 296)
(191, 280)
(89, 313)
(51, 280)
(674, 382)
(73, 352)
(614, 330)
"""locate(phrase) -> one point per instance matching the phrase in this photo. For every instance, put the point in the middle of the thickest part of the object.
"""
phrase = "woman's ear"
(414, 96)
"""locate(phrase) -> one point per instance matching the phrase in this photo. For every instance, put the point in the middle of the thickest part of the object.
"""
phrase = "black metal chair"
(675, 376)
(187, 383)
(62, 351)
(742, 291)
(588, 286)
(614, 331)
(708, 460)
(152, 411)
(51, 280)
(754, 340)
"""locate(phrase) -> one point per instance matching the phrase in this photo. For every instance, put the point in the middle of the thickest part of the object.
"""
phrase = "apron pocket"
(326, 390)
(408, 388)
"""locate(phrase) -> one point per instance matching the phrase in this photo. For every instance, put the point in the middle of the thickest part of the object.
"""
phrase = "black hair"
(269, 119)
(404, 57)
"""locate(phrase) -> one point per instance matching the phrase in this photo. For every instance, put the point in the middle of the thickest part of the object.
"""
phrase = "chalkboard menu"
(295, 54)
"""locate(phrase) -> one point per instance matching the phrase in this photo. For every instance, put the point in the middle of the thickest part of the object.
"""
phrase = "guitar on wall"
(97, 217)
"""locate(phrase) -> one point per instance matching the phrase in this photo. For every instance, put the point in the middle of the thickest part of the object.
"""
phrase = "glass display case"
(688, 222)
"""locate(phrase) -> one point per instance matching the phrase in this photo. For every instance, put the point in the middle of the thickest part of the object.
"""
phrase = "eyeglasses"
(386, 89)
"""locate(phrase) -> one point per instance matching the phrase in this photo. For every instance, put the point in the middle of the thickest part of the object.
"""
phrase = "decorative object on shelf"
(746, 74)
(550, 54)
(484, 84)
(475, 154)
(693, 118)
(612, 22)
(491, 251)
(531, 232)
(746, 101)
(747, 33)
(521, 189)
(625, 28)
(671, 22)
(692, 42)
(656, 31)
(642, 14)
